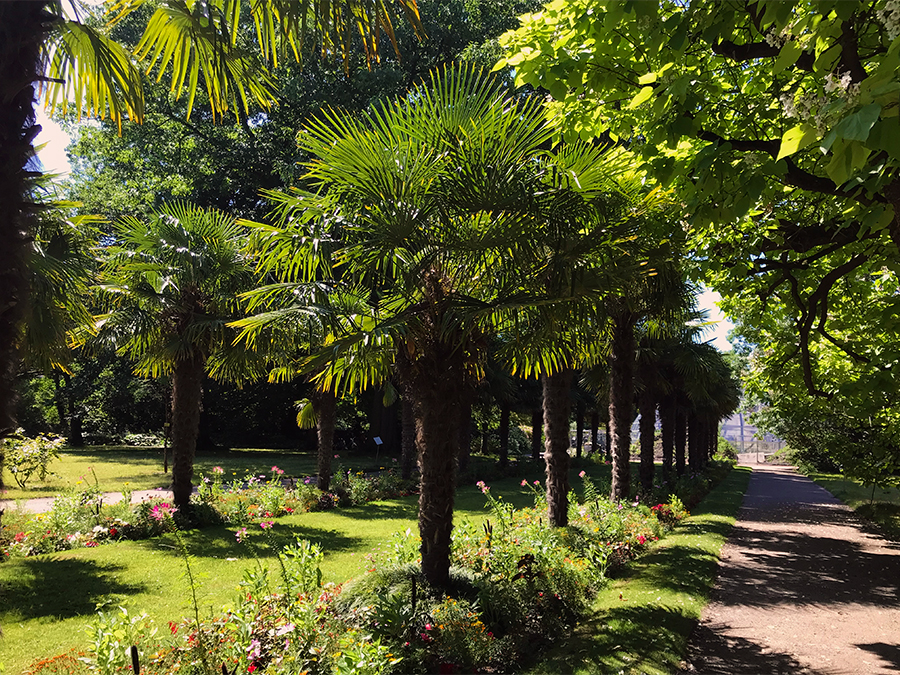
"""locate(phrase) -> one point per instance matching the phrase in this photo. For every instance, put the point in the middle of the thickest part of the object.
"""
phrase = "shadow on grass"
(407, 509)
(220, 542)
(63, 587)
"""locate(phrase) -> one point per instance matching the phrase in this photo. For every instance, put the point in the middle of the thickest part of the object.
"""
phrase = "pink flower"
(218, 470)
(266, 524)
(641, 539)
(428, 626)
(524, 482)
(481, 486)
(277, 471)
(337, 456)
(582, 474)
(538, 483)
(240, 534)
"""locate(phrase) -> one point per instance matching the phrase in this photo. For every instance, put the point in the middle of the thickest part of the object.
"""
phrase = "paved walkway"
(44, 504)
(803, 588)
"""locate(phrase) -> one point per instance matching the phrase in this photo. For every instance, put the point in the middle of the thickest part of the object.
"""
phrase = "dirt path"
(44, 504)
(803, 588)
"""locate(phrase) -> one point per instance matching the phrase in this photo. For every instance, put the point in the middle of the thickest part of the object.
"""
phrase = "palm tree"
(419, 204)
(170, 286)
(77, 63)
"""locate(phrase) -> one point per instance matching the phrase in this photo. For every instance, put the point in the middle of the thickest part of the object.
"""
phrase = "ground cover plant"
(558, 582)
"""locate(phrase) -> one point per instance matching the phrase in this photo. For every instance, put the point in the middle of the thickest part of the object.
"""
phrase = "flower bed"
(516, 584)
(80, 518)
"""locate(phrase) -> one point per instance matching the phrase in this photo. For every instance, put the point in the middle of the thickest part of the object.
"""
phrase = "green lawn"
(642, 621)
(880, 506)
(142, 468)
(47, 600)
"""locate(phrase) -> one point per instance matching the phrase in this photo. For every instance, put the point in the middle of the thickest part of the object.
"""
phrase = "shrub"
(26, 457)
(725, 451)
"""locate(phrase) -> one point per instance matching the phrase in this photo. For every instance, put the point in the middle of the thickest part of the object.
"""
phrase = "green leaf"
(642, 96)
(856, 127)
(649, 78)
(795, 139)
(884, 136)
(787, 56)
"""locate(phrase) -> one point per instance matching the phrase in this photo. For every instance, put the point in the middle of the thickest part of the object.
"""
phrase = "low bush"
(27, 457)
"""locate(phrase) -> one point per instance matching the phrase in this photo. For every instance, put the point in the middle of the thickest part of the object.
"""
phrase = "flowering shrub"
(26, 457)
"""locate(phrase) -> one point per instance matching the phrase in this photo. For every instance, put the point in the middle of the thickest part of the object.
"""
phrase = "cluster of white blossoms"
(843, 85)
(890, 18)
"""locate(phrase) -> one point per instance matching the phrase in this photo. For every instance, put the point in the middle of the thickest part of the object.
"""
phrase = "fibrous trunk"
(648, 438)
(680, 433)
(537, 423)
(556, 445)
(408, 442)
(187, 390)
(621, 393)
(667, 432)
(325, 406)
(23, 27)
(504, 435)
(465, 435)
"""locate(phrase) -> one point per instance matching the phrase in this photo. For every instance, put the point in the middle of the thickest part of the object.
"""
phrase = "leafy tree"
(775, 117)
(171, 285)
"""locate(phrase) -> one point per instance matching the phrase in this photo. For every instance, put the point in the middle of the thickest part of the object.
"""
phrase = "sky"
(53, 157)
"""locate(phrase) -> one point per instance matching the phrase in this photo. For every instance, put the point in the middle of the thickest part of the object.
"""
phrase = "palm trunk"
(680, 432)
(693, 425)
(667, 431)
(325, 403)
(537, 420)
(579, 428)
(76, 438)
(556, 446)
(595, 430)
(648, 439)
(60, 405)
(504, 435)
(408, 442)
(23, 28)
(621, 393)
(607, 437)
(465, 436)
(437, 419)
(187, 391)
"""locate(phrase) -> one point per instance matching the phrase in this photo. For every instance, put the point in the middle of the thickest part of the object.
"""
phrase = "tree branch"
(759, 50)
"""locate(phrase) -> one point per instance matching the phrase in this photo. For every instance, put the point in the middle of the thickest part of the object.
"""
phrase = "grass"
(48, 600)
(877, 505)
(142, 468)
(641, 622)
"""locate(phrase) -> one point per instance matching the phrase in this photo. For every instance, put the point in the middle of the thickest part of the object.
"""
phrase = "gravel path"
(803, 588)
(44, 504)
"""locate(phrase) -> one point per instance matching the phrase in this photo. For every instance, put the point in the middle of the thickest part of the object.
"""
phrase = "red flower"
(251, 668)
(173, 627)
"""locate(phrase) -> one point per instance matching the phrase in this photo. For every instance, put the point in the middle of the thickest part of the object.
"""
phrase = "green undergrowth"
(880, 506)
(641, 622)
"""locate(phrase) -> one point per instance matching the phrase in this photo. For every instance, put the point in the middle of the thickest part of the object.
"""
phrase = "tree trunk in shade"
(187, 390)
(504, 435)
(607, 439)
(465, 436)
(60, 404)
(556, 444)
(595, 430)
(408, 442)
(667, 431)
(76, 437)
(648, 438)
(693, 440)
(537, 423)
(325, 405)
(621, 395)
(23, 29)
(579, 428)
(680, 433)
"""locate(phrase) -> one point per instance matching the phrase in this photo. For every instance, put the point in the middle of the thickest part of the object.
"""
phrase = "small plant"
(27, 457)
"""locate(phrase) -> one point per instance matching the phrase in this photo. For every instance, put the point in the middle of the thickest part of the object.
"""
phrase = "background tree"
(171, 284)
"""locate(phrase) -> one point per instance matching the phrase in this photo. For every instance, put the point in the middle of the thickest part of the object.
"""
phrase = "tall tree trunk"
(465, 436)
(579, 428)
(76, 437)
(648, 438)
(187, 390)
(325, 404)
(408, 443)
(23, 28)
(437, 439)
(60, 404)
(556, 446)
(621, 394)
(680, 432)
(667, 431)
(607, 438)
(595, 430)
(504, 435)
(693, 425)
(537, 421)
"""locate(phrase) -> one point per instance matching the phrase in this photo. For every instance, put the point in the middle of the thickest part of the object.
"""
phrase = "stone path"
(803, 588)
(44, 504)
